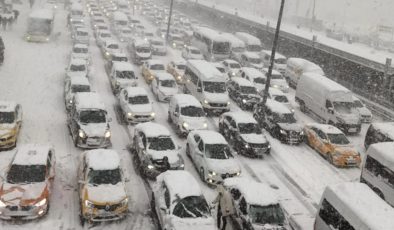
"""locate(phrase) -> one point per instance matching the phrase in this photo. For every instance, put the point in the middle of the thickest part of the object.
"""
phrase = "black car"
(243, 132)
(279, 121)
(379, 132)
(243, 92)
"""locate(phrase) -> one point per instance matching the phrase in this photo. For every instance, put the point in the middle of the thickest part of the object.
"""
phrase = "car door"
(200, 156)
(193, 145)
(82, 177)
(176, 113)
(321, 143)
(155, 86)
(123, 100)
(163, 204)
(236, 197)
(312, 136)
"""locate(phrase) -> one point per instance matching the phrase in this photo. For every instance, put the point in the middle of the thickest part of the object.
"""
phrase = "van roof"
(234, 40)
(383, 152)
(207, 70)
(123, 66)
(102, 159)
(88, 100)
(276, 92)
(186, 100)
(386, 128)
(180, 184)
(136, 91)
(7, 106)
(277, 107)
(151, 129)
(42, 14)
(368, 210)
(31, 154)
(241, 117)
(248, 38)
(211, 33)
(210, 137)
(242, 81)
(78, 80)
(251, 54)
(317, 79)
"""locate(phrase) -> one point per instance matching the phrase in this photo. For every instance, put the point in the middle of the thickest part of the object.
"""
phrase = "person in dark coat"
(16, 14)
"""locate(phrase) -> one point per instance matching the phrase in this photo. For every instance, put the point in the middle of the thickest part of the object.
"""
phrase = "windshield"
(284, 118)
(82, 33)
(157, 43)
(126, 31)
(255, 60)
(105, 35)
(120, 59)
(7, 117)
(157, 67)
(168, 83)
(191, 111)
(181, 67)
(214, 87)
(259, 80)
(77, 68)
(338, 138)
(143, 50)
(192, 207)
(343, 107)
(92, 116)
(247, 128)
(221, 47)
(97, 177)
(254, 48)
(195, 51)
(125, 74)
(139, 100)
(39, 26)
(221, 69)
(281, 99)
(80, 88)
(217, 151)
(80, 50)
(238, 49)
(272, 214)
(358, 104)
(276, 76)
(161, 143)
(25, 174)
(248, 90)
(113, 46)
(281, 61)
(234, 66)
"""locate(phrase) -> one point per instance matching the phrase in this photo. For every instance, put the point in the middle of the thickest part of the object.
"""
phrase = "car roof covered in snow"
(161, 76)
(123, 66)
(7, 106)
(386, 128)
(80, 45)
(151, 129)
(307, 65)
(83, 29)
(120, 16)
(32, 154)
(231, 61)
(383, 152)
(42, 14)
(210, 33)
(186, 100)
(180, 183)
(242, 81)
(102, 159)
(277, 107)
(329, 129)
(155, 62)
(234, 40)
(369, 211)
(136, 91)
(210, 137)
(253, 72)
(241, 117)
(88, 100)
(255, 193)
(251, 54)
(78, 80)
(111, 41)
(206, 69)
(78, 61)
(274, 72)
(315, 78)
(141, 42)
(277, 55)
(76, 6)
(248, 38)
(276, 92)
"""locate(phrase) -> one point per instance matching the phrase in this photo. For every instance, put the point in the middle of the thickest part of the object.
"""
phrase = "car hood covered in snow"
(106, 193)
(193, 223)
(223, 166)
(94, 129)
(194, 122)
(173, 156)
(168, 91)
(6, 129)
(254, 138)
(290, 126)
(216, 97)
(141, 109)
(15, 194)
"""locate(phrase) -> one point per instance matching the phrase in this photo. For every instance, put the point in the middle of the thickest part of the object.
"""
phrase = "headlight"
(206, 102)
(117, 83)
(238, 173)
(292, 110)
(150, 166)
(247, 145)
(41, 203)
(275, 86)
(243, 100)
(70, 101)
(125, 202)
(107, 134)
(233, 73)
(173, 44)
(106, 53)
(81, 133)
(89, 204)
(228, 103)
(185, 125)
(2, 205)
(302, 133)
(152, 114)
(283, 132)
(212, 173)
(179, 77)
(129, 114)
(205, 125)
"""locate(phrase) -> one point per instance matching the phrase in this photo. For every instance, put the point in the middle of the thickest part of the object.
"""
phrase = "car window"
(197, 138)
(243, 206)
(201, 146)
(167, 197)
(233, 124)
(235, 193)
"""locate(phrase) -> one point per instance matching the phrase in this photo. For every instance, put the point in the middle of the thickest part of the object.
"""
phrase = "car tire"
(202, 174)
(188, 151)
(303, 107)
(378, 192)
(169, 119)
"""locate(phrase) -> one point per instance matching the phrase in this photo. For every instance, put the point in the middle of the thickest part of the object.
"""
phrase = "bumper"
(256, 152)
(292, 139)
(217, 107)
(9, 142)
(218, 178)
(347, 161)
(366, 119)
(94, 143)
(96, 215)
(82, 41)
(350, 129)
(139, 118)
(26, 213)
(37, 38)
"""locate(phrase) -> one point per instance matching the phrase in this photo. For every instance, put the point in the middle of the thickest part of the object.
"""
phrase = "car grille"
(6, 138)
(142, 116)
(12, 208)
(108, 208)
(94, 140)
(228, 175)
(218, 104)
(259, 146)
(27, 208)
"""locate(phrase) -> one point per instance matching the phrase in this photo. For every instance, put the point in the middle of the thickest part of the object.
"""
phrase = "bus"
(378, 170)
(212, 44)
(40, 25)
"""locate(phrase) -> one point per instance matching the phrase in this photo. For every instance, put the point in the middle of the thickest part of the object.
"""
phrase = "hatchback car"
(10, 123)
(253, 75)
(122, 75)
(277, 80)
(80, 51)
(251, 59)
(73, 85)
(177, 70)
(150, 68)
(243, 92)
(232, 67)
(164, 86)
(135, 105)
(158, 46)
(109, 47)
(77, 67)
(191, 52)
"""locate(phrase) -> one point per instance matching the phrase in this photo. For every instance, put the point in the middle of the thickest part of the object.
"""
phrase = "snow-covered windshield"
(255, 60)
(192, 207)
(80, 50)
(214, 87)
(235, 66)
(271, 214)
(181, 67)
(194, 51)
(238, 49)
(248, 90)
(82, 33)
(161, 143)
(142, 50)
(157, 67)
(168, 83)
(221, 47)
(343, 107)
(191, 111)
(77, 68)
(276, 76)
(125, 74)
(139, 100)
(259, 80)
(92, 116)
(247, 128)
(284, 118)
(338, 138)
(7, 117)
(281, 61)
(113, 46)
(358, 104)
(217, 151)
(80, 88)
(98, 177)
(281, 99)
(26, 174)
(254, 48)
(105, 35)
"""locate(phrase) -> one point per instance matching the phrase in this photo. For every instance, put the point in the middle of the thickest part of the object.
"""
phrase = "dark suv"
(379, 132)
(243, 92)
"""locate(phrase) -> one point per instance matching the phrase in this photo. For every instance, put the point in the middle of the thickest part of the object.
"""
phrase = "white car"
(278, 95)
(77, 67)
(277, 80)
(158, 46)
(102, 36)
(125, 34)
(135, 105)
(365, 113)
(81, 51)
(251, 59)
(211, 155)
(191, 52)
(180, 203)
(81, 35)
(109, 47)
(73, 85)
(232, 67)
(122, 75)
(253, 75)
(164, 86)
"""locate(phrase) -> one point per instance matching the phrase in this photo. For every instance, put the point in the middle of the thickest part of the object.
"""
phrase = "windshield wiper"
(188, 211)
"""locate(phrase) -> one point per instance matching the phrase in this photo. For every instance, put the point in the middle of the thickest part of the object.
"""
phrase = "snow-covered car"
(277, 80)
(164, 86)
(253, 75)
(176, 41)
(80, 51)
(95, 20)
(102, 36)
(177, 70)
(73, 85)
(81, 35)
(150, 68)
(140, 51)
(148, 35)
(161, 32)
(365, 113)
(77, 67)
(158, 46)
(135, 105)
(10, 123)
(27, 184)
(379, 132)
(109, 47)
(243, 92)
(155, 149)
(211, 156)
(121, 76)
(125, 34)
(179, 202)
(278, 95)
(120, 56)
(186, 113)
(279, 121)
(101, 27)
(251, 59)
(232, 67)
(253, 210)
(332, 144)
(88, 121)
(191, 52)
(102, 187)
(280, 61)
(244, 133)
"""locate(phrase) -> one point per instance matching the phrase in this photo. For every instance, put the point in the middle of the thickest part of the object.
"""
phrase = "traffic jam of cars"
(191, 100)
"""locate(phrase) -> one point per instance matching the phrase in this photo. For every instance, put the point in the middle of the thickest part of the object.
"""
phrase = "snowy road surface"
(33, 75)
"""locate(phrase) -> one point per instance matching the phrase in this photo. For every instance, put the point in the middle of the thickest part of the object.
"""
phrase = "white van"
(237, 46)
(207, 84)
(253, 44)
(353, 206)
(296, 67)
(279, 61)
(331, 102)
(378, 170)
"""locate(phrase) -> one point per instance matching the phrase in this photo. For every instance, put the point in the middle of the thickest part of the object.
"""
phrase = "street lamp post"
(169, 21)
(274, 45)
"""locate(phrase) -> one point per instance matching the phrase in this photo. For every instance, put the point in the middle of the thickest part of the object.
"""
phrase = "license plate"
(352, 130)
(92, 142)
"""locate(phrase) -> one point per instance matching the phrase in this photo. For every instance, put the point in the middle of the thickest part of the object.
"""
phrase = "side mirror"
(109, 119)
(199, 89)
(176, 114)
(330, 110)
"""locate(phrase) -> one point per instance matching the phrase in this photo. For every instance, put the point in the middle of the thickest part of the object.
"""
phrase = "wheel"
(378, 192)
(81, 218)
(202, 174)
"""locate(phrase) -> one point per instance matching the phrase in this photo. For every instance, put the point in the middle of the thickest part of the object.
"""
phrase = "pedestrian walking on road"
(225, 207)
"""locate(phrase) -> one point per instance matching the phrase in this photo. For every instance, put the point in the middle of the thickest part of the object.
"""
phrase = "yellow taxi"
(177, 69)
(150, 68)
(10, 123)
(332, 144)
